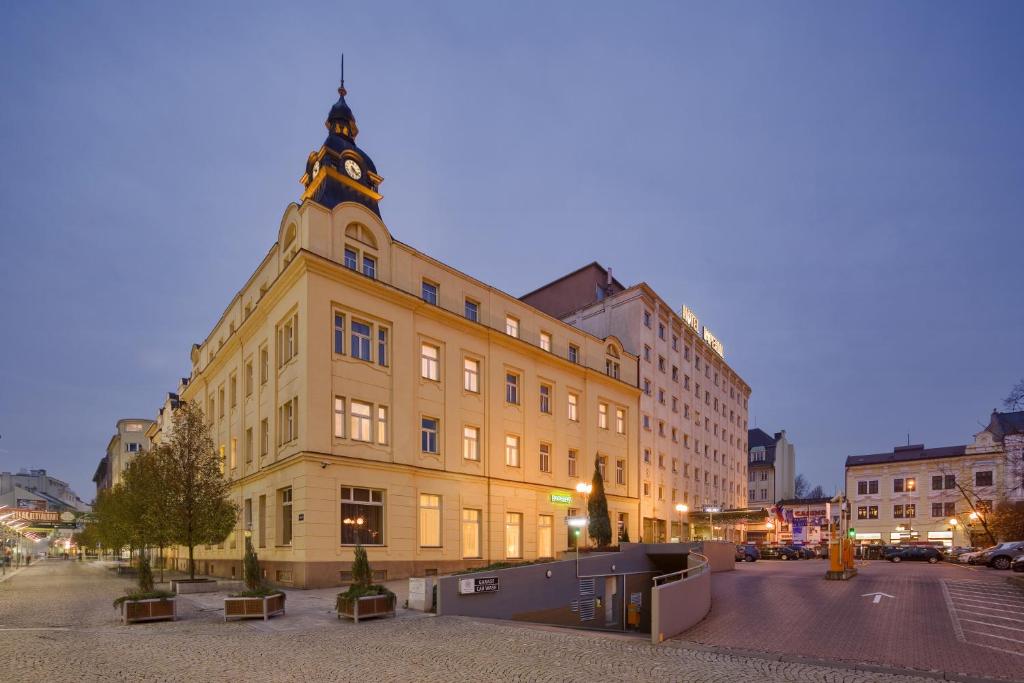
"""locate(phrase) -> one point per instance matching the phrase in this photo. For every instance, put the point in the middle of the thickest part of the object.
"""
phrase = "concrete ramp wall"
(679, 602)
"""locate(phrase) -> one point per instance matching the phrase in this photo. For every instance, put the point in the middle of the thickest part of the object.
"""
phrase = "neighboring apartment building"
(771, 473)
(935, 494)
(693, 405)
(129, 440)
(37, 490)
(360, 391)
(771, 477)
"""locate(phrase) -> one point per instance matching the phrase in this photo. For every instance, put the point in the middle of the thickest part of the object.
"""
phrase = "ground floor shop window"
(362, 516)
(284, 503)
(545, 537)
(430, 520)
(471, 524)
(514, 535)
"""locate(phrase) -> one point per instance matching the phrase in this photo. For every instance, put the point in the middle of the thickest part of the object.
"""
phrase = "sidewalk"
(17, 570)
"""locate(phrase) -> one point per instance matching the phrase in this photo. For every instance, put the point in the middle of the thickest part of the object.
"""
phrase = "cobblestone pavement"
(57, 624)
(788, 607)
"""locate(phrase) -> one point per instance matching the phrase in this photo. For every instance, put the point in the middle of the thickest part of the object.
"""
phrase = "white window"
(574, 353)
(339, 417)
(362, 516)
(620, 471)
(428, 435)
(574, 401)
(572, 462)
(382, 424)
(512, 388)
(512, 450)
(545, 457)
(545, 341)
(430, 521)
(429, 362)
(264, 436)
(429, 292)
(360, 421)
(511, 326)
(471, 443)
(471, 375)
(471, 528)
(602, 415)
(545, 398)
(545, 536)
(360, 341)
(339, 333)
(513, 535)
(620, 420)
(287, 416)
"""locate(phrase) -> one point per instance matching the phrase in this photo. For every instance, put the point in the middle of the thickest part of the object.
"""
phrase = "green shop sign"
(565, 498)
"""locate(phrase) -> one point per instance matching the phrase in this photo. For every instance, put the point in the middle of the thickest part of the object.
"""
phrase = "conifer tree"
(600, 526)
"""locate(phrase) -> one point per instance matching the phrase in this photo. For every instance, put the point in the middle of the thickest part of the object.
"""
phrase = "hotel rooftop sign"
(691, 319)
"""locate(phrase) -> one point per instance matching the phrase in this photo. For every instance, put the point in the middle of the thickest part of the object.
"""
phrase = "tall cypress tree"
(600, 526)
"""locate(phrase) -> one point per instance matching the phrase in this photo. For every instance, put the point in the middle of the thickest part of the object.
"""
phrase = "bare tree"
(801, 486)
(1015, 399)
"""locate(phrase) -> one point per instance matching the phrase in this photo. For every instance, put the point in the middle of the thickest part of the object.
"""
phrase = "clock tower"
(340, 171)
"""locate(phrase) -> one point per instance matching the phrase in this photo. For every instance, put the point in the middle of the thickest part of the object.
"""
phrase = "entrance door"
(611, 598)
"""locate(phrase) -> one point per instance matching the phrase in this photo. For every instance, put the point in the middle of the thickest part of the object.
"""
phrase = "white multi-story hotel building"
(693, 405)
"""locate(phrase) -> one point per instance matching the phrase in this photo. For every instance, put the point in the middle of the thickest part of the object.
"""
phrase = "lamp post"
(682, 510)
(953, 523)
(584, 489)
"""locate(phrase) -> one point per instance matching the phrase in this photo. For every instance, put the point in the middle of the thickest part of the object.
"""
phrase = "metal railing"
(683, 574)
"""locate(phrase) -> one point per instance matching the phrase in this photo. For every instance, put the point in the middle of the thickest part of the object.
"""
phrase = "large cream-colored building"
(929, 494)
(361, 391)
(693, 405)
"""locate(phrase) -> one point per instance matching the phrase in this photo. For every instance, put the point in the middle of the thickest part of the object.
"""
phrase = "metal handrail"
(683, 574)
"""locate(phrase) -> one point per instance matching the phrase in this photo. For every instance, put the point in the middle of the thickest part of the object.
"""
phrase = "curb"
(839, 664)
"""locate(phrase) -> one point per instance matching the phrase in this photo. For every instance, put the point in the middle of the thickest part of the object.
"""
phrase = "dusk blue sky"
(836, 189)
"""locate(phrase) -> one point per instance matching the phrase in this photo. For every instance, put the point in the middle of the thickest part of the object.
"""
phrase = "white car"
(966, 558)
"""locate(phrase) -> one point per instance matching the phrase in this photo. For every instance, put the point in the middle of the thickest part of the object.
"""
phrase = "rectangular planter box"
(154, 609)
(186, 586)
(254, 608)
(369, 606)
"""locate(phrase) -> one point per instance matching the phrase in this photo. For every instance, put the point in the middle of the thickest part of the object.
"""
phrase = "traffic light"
(851, 533)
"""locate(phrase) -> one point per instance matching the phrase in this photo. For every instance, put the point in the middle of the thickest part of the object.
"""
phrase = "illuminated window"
(545, 536)
(362, 516)
(471, 443)
(602, 415)
(429, 362)
(545, 341)
(471, 528)
(513, 535)
(620, 420)
(574, 407)
(545, 457)
(471, 375)
(511, 326)
(382, 424)
(430, 520)
(512, 450)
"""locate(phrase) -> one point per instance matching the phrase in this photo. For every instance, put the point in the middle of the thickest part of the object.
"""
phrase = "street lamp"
(682, 510)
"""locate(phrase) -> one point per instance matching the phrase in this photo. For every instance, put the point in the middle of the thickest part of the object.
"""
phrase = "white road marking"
(1010, 628)
(877, 596)
(973, 600)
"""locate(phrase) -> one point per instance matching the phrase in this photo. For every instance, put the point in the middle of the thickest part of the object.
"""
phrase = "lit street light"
(584, 490)
(682, 510)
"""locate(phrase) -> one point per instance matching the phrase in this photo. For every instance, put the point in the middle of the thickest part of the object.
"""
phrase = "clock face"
(316, 170)
(353, 170)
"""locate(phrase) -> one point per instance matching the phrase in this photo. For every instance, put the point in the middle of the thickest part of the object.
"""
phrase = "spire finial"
(341, 88)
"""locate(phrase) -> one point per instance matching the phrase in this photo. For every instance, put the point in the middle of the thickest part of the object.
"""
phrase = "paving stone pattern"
(57, 624)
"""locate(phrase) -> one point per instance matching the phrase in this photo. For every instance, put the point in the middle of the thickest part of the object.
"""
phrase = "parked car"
(747, 552)
(971, 557)
(805, 552)
(956, 551)
(778, 552)
(925, 553)
(1018, 564)
(1001, 557)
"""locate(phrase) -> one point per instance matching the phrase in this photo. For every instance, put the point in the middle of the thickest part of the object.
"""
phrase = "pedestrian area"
(57, 624)
(987, 614)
